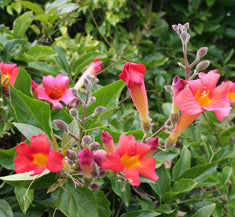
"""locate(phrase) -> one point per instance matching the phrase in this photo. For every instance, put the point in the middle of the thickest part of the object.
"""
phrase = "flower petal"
(24, 149)
(40, 144)
(132, 175)
(125, 145)
(23, 163)
(147, 168)
(112, 162)
(54, 162)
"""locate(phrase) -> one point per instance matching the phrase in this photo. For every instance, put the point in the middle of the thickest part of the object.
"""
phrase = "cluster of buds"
(86, 158)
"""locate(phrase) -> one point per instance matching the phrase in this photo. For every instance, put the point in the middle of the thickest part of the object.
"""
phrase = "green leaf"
(24, 197)
(228, 56)
(141, 213)
(39, 52)
(68, 8)
(43, 180)
(31, 111)
(106, 96)
(210, 2)
(121, 189)
(183, 185)
(23, 82)
(21, 24)
(5, 209)
(6, 158)
(227, 134)
(162, 185)
(51, 7)
(28, 130)
(61, 59)
(71, 201)
(182, 164)
(224, 153)
(44, 67)
(103, 204)
(205, 211)
(85, 61)
(32, 6)
(199, 173)
(12, 48)
(165, 156)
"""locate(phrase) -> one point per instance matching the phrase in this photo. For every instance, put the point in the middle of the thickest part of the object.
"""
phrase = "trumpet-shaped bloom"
(92, 69)
(108, 143)
(55, 90)
(133, 75)
(9, 72)
(231, 90)
(37, 157)
(130, 158)
(200, 95)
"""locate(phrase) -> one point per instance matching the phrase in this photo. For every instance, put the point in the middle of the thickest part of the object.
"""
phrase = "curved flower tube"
(37, 157)
(200, 95)
(92, 69)
(55, 90)
(133, 75)
(131, 157)
(9, 72)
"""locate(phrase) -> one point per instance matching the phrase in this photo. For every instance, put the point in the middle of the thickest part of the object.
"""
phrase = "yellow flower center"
(203, 98)
(5, 76)
(40, 159)
(231, 95)
(130, 162)
(55, 94)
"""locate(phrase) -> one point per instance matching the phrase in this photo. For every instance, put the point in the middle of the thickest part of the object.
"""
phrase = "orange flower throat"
(40, 159)
(203, 98)
(130, 162)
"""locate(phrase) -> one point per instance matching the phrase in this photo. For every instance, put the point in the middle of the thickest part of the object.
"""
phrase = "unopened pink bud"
(99, 156)
(186, 26)
(86, 140)
(94, 146)
(153, 142)
(86, 161)
(108, 143)
(99, 110)
(73, 112)
(175, 27)
(72, 155)
(168, 88)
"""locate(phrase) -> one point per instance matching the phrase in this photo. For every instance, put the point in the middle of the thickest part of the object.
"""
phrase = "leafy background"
(51, 37)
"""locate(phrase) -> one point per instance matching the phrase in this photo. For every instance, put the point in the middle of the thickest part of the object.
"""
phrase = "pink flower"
(133, 75)
(130, 158)
(99, 156)
(55, 90)
(10, 72)
(107, 141)
(86, 161)
(200, 95)
(231, 90)
(92, 69)
(37, 157)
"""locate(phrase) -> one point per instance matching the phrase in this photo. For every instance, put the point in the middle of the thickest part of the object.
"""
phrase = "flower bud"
(94, 146)
(153, 142)
(92, 99)
(74, 91)
(60, 125)
(202, 52)
(86, 83)
(175, 28)
(168, 88)
(202, 65)
(99, 110)
(72, 155)
(86, 160)
(186, 26)
(102, 173)
(86, 140)
(99, 157)
(108, 143)
(94, 186)
(184, 36)
(73, 112)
